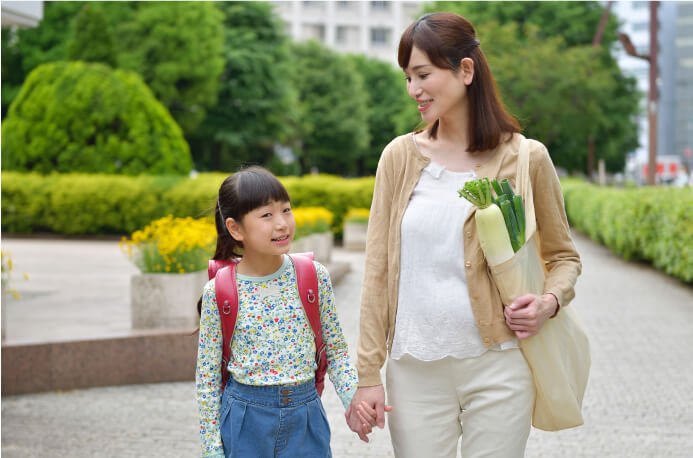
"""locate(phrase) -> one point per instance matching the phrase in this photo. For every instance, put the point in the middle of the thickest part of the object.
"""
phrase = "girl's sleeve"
(339, 367)
(208, 374)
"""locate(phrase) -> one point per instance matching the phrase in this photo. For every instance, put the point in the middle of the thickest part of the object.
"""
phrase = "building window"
(342, 36)
(640, 5)
(314, 32)
(344, 5)
(310, 4)
(347, 36)
(380, 36)
(381, 6)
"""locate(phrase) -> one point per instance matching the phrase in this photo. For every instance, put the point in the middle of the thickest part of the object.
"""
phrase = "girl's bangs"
(257, 188)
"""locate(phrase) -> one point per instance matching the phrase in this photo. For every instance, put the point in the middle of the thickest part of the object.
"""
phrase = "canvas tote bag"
(559, 354)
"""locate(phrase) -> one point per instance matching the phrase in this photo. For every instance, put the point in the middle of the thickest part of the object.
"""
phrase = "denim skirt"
(273, 421)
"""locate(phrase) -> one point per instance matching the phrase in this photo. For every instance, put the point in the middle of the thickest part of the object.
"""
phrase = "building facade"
(675, 74)
(22, 14)
(371, 28)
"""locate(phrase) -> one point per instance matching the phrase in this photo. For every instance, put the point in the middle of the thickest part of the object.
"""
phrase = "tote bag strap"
(523, 186)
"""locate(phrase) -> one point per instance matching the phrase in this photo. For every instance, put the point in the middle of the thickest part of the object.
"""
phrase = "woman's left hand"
(527, 314)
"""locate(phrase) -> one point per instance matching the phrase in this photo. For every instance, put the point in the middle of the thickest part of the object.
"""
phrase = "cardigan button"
(486, 340)
(469, 234)
(467, 264)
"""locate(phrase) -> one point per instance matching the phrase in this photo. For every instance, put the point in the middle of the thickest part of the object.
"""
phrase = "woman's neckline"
(443, 167)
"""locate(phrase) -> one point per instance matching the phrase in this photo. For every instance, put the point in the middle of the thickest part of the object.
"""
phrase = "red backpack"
(224, 274)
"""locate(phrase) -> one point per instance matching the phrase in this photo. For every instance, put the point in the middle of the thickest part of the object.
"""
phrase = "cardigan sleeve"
(557, 247)
(372, 343)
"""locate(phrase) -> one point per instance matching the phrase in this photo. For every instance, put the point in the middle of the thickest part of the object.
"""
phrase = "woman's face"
(439, 92)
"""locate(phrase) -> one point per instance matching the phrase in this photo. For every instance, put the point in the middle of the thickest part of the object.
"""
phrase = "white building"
(23, 14)
(370, 28)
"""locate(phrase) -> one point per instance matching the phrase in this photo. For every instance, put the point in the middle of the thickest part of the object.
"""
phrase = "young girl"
(270, 406)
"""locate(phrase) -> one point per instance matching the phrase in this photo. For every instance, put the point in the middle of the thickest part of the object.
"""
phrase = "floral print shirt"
(272, 344)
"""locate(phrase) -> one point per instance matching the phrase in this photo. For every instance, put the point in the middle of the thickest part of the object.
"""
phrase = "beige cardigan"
(398, 172)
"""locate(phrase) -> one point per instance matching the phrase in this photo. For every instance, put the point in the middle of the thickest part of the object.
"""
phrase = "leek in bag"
(500, 222)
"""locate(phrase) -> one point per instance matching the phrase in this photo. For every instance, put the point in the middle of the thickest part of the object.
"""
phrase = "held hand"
(356, 425)
(527, 314)
(367, 409)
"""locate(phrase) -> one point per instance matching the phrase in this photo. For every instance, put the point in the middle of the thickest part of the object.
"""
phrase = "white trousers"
(487, 400)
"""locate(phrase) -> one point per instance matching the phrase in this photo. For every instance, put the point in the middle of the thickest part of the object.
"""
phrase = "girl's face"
(266, 230)
(439, 92)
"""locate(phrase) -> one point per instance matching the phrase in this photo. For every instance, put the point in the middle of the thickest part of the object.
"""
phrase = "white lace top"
(434, 315)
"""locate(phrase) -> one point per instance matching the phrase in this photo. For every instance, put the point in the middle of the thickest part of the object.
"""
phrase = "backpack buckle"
(226, 308)
(311, 296)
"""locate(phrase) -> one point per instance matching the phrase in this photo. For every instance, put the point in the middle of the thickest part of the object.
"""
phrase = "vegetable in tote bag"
(558, 355)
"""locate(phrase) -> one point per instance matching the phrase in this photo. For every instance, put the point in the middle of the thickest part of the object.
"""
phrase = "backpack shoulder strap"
(227, 303)
(215, 264)
(307, 281)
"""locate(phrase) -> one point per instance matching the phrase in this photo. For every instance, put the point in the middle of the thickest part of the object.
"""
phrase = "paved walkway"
(638, 402)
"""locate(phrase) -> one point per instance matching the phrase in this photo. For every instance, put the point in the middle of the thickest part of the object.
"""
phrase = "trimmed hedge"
(650, 224)
(110, 204)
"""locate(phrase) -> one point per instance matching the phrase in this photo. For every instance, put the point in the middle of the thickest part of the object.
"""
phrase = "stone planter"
(166, 300)
(319, 243)
(355, 236)
(3, 310)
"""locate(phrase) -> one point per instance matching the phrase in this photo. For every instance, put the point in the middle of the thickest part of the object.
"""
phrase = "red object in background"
(673, 168)
(687, 152)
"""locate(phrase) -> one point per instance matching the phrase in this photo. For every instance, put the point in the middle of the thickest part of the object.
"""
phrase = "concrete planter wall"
(166, 300)
(319, 243)
(3, 318)
(355, 236)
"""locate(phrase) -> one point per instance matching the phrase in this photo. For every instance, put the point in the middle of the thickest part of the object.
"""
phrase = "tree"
(77, 116)
(562, 89)
(92, 40)
(255, 108)
(387, 102)
(332, 121)
(177, 49)
(575, 22)
(25, 49)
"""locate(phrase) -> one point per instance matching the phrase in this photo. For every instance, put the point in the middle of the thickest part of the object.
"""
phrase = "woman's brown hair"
(447, 38)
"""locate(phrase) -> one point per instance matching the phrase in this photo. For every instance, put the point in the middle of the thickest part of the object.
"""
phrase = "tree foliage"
(26, 48)
(562, 89)
(92, 40)
(255, 107)
(86, 117)
(387, 102)
(175, 46)
(177, 49)
(332, 123)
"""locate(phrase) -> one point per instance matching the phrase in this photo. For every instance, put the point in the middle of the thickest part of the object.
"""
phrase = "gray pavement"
(638, 402)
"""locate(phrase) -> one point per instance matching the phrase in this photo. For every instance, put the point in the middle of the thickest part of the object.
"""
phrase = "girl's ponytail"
(227, 246)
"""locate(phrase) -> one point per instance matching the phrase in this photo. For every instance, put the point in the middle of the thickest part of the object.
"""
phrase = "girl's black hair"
(239, 194)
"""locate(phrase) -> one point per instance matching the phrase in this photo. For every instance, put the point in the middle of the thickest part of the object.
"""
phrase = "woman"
(454, 368)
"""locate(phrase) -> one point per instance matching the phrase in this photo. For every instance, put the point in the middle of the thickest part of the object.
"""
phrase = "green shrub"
(651, 224)
(81, 117)
(111, 204)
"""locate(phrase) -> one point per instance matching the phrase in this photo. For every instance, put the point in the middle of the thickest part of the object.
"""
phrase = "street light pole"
(653, 92)
(653, 96)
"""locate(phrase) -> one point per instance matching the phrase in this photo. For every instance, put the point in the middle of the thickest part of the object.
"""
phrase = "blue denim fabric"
(269, 421)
